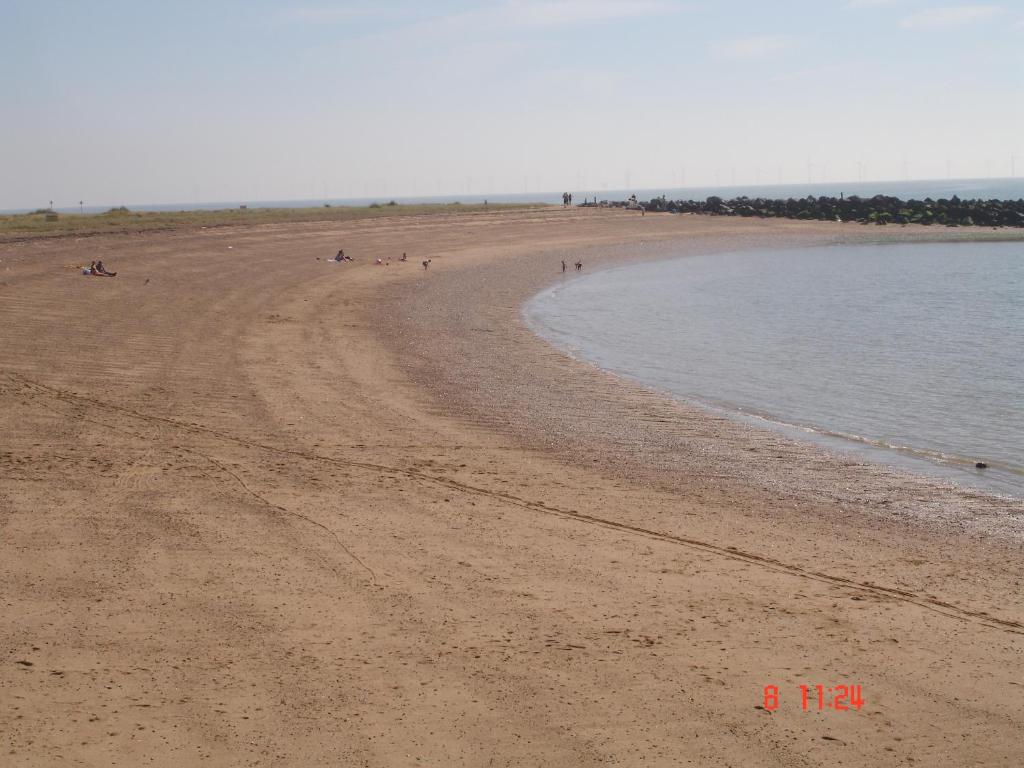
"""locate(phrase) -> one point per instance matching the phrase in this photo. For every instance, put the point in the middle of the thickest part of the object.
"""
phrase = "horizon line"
(474, 197)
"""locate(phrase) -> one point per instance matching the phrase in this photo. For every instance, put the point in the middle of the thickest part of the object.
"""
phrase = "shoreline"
(921, 462)
(260, 508)
(926, 498)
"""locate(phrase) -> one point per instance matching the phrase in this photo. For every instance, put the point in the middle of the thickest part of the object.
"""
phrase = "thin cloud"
(751, 47)
(870, 3)
(550, 13)
(320, 14)
(498, 19)
(950, 16)
(516, 13)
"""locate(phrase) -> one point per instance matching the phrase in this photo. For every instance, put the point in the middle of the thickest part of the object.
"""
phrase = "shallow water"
(911, 354)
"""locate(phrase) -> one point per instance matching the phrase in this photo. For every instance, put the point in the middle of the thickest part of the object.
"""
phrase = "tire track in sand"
(925, 602)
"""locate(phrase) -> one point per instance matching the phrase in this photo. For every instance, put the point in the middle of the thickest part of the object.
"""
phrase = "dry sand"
(258, 509)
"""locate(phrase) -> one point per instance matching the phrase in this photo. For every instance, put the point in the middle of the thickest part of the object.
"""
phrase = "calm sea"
(912, 355)
(985, 189)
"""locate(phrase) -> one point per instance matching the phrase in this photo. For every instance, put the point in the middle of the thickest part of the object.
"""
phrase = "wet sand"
(258, 509)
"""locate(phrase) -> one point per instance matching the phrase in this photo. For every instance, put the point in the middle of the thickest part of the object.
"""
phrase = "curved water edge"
(908, 355)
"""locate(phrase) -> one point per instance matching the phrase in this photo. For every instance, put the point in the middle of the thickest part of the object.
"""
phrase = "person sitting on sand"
(379, 260)
(404, 257)
(96, 269)
(340, 255)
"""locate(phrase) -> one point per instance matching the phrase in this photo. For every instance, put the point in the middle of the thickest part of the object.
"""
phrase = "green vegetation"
(122, 219)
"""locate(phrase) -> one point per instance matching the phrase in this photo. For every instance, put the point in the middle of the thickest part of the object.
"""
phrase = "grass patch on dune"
(124, 220)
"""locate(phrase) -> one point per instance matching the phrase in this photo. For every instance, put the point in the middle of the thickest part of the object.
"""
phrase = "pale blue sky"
(146, 102)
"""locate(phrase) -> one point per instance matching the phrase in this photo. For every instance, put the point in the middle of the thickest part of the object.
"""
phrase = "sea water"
(967, 189)
(912, 354)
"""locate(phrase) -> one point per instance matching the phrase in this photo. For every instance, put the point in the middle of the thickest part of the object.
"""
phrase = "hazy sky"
(136, 102)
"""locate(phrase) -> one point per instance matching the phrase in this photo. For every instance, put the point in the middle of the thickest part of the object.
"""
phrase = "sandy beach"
(261, 509)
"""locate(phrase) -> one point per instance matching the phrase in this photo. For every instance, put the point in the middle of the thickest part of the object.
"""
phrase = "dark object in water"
(980, 465)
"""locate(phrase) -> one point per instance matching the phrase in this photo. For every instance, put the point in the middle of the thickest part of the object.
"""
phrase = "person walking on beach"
(563, 266)
(579, 266)
(426, 264)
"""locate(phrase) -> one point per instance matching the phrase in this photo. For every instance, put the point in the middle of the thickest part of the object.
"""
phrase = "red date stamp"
(818, 698)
